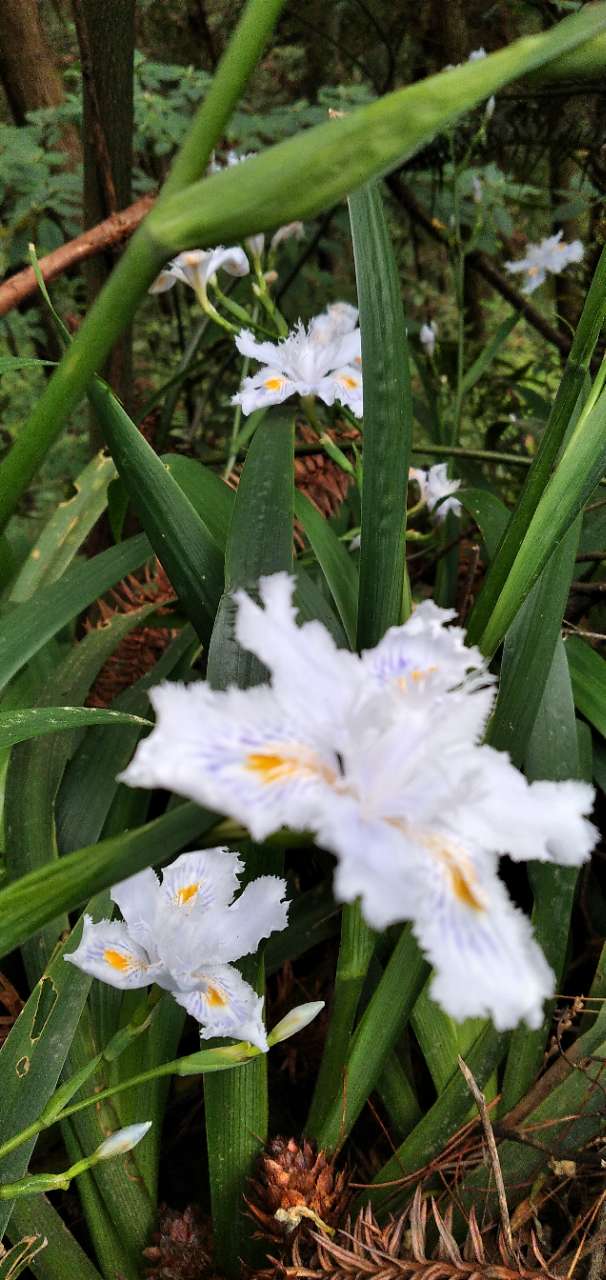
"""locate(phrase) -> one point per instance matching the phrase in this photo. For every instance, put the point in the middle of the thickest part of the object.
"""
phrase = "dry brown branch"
(105, 235)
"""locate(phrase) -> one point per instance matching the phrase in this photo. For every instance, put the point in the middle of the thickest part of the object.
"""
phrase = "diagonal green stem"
(117, 303)
(201, 1063)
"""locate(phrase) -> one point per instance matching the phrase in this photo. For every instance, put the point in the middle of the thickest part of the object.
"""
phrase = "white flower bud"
(122, 1140)
(295, 1021)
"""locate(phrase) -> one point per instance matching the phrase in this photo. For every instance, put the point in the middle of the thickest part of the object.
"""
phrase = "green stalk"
(192, 1064)
(570, 389)
(117, 303)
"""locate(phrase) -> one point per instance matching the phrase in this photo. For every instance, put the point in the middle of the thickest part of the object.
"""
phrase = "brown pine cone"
(179, 1247)
(296, 1185)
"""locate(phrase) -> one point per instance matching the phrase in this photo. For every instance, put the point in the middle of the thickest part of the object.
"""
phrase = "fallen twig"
(105, 235)
(493, 1154)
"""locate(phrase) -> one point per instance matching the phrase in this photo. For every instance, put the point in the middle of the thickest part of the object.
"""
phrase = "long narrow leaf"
(35, 1050)
(552, 752)
(528, 651)
(580, 468)
(336, 563)
(17, 726)
(260, 542)
(179, 537)
(570, 393)
(387, 420)
(588, 675)
(66, 530)
(34, 775)
(32, 624)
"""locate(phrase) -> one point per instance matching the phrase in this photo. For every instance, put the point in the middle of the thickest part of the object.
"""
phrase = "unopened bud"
(295, 1021)
(122, 1140)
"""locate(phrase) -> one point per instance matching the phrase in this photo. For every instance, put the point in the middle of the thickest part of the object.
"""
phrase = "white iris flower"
(322, 359)
(380, 756)
(551, 256)
(183, 932)
(434, 486)
(197, 267)
(427, 337)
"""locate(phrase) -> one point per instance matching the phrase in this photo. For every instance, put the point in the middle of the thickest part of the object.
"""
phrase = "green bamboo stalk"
(117, 303)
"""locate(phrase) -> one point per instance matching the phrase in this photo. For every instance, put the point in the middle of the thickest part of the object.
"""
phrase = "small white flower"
(380, 757)
(340, 318)
(551, 256)
(321, 360)
(427, 337)
(292, 231)
(182, 932)
(296, 1020)
(122, 1140)
(256, 245)
(435, 486)
(197, 267)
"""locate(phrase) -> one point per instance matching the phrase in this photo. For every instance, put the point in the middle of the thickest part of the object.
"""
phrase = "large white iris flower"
(551, 255)
(380, 757)
(183, 932)
(322, 359)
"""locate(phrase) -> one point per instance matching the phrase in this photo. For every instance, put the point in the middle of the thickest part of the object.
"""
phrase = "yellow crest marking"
(215, 998)
(273, 384)
(456, 862)
(188, 892)
(278, 768)
(116, 960)
(273, 768)
(462, 889)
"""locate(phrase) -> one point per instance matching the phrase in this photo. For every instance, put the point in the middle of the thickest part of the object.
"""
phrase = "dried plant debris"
(297, 1186)
(11, 1003)
(139, 651)
(179, 1248)
(419, 1243)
